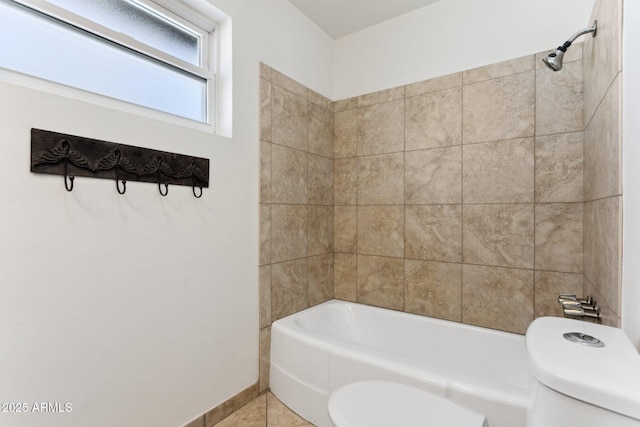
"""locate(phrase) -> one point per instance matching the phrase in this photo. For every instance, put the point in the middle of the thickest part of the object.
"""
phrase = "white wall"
(631, 172)
(138, 309)
(450, 36)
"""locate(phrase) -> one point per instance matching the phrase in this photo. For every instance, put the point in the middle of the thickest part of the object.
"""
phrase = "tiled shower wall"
(461, 197)
(603, 164)
(296, 202)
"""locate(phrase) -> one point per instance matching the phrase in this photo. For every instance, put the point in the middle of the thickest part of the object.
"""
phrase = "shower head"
(554, 59)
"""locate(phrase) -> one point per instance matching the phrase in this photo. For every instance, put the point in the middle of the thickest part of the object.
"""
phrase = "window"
(132, 50)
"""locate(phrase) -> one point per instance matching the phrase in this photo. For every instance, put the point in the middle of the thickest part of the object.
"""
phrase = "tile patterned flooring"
(264, 411)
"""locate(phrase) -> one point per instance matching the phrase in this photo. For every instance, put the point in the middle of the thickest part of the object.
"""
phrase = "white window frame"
(193, 21)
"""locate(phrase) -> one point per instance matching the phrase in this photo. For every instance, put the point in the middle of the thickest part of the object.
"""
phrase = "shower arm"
(573, 38)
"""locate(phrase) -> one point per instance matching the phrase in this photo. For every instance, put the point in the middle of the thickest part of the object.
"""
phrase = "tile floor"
(264, 411)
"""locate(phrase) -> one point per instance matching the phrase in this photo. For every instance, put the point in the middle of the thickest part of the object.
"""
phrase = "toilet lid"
(384, 404)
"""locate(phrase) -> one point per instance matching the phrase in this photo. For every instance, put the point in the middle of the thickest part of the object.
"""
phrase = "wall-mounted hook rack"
(73, 156)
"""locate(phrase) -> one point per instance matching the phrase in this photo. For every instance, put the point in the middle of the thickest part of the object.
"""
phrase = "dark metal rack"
(73, 156)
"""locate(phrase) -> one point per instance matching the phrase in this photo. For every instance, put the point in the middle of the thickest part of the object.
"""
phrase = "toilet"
(586, 375)
(384, 404)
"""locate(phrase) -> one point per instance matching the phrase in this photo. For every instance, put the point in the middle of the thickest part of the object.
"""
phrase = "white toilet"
(587, 375)
(385, 404)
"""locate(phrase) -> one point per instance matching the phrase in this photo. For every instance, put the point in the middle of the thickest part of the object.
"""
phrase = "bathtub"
(317, 350)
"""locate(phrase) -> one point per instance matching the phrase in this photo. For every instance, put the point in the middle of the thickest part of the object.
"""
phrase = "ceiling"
(341, 17)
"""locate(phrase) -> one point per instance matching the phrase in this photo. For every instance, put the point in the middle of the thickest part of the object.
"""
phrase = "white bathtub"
(317, 350)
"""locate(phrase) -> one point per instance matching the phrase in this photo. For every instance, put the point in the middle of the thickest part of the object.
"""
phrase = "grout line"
(357, 136)
(271, 298)
(266, 409)
(462, 144)
(404, 200)
(535, 136)
(306, 249)
(584, 202)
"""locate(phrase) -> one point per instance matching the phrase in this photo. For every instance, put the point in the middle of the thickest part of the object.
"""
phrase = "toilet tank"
(587, 374)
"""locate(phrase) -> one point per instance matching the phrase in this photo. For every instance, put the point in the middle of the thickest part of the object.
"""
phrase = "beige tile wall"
(602, 70)
(296, 202)
(461, 197)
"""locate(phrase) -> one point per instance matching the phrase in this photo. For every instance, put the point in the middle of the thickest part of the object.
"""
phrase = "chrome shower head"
(554, 59)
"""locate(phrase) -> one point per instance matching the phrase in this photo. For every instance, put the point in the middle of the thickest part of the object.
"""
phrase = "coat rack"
(73, 156)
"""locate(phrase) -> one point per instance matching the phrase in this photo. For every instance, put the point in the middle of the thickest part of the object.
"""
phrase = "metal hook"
(192, 169)
(69, 187)
(124, 181)
(124, 186)
(166, 188)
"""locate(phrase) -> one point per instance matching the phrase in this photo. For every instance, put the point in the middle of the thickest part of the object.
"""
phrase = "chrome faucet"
(579, 308)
